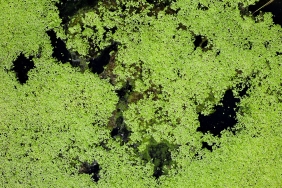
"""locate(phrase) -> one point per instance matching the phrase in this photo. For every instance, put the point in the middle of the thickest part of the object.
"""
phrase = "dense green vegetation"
(138, 119)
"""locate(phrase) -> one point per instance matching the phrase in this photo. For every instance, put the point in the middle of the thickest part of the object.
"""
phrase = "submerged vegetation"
(174, 93)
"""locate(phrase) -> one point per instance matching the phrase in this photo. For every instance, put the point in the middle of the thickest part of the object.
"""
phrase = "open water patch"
(21, 66)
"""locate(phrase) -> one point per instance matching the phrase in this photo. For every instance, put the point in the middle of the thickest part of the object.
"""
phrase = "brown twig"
(263, 6)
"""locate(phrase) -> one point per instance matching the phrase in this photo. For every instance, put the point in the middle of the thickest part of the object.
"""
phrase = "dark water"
(223, 118)
(97, 64)
(91, 169)
(160, 155)
(68, 8)
(120, 130)
(60, 51)
(275, 8)
(21, 66)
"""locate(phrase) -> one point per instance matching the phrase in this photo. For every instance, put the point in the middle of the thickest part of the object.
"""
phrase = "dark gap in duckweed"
(156, 153)
(160, 5)
(60, 51)
(244, 87)
(266, 44)
(202, 7)
(243, 10)
(107, 30)
(92, 46)
(91, 169)
(171, 11)
(97, 64)
(227, 5)
(202, 42)
(64, 55)
(120, 130)
(92, 60)
(274, 7)
(68, 8)
(160, 2)
(116, 122)
(223, 118)
(181, 26)
(21, 66)
(159, 154)
(248, 45)
(124, 91)
(205, 145)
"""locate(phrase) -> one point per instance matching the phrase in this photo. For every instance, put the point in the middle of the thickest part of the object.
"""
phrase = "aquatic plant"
(189, 97)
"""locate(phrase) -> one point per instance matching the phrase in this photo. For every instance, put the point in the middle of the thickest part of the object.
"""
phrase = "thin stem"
(264, 6)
